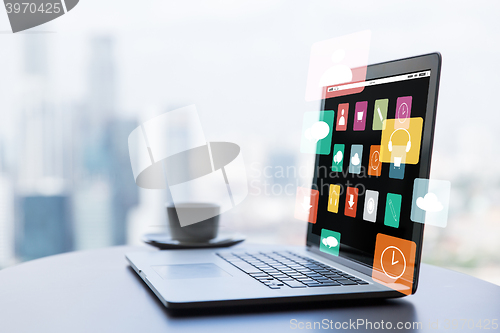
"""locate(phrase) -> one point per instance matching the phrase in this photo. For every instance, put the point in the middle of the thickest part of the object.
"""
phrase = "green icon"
(380, 114)
(392, 210)
(330, 242)
(317, 132)
(338, 157)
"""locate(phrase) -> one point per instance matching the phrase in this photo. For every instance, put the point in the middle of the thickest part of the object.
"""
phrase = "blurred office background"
(72, 90)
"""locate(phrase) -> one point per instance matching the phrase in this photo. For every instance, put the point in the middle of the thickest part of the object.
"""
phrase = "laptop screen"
(379, 145)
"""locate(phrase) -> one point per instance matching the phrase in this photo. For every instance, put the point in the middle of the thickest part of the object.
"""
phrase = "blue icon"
(430, 201)
(355, 159)
(397, 172)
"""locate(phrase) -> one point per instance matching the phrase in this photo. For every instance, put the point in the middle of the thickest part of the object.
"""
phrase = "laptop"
(361, 241)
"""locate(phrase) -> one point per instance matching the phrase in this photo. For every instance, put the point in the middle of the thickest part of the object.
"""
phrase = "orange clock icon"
(375, 166)
(393, 263)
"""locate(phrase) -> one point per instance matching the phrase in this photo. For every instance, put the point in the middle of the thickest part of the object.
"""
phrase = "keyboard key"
(280, 267)
(346, 282)
(247, 268)
(273, 281)
(313, 275)
(228, 257)
(264, 278)
(321, 271)
(258, 275)
(285, 279)
(295, 274)
(331, 284)
(333, 276)
(267, 260)
(313, 266)
(307, 280)
(294, 284)
(277, 276)
(322, 279)
(270, 271)
(235, 259)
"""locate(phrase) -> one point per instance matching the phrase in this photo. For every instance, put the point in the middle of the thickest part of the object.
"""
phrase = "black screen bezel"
(432, 62)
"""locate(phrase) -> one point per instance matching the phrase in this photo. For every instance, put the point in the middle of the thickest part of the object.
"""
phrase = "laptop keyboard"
(280, 269)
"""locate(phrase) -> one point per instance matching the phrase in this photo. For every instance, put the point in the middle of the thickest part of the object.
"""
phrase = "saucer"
(164, 241)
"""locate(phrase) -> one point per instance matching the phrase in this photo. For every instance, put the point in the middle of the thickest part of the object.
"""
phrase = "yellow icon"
(401, 145)
(333, 199)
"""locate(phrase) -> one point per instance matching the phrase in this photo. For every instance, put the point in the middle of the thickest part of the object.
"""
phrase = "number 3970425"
(27, 7)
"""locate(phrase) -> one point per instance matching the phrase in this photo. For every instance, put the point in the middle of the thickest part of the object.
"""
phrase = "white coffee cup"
(198, 232)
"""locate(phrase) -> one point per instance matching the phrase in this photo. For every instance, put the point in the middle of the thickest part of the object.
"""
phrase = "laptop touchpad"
(190, 271)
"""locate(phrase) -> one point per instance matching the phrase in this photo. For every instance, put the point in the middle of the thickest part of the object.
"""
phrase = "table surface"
(96, 291)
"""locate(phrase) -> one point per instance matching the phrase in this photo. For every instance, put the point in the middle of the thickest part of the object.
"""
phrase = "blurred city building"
(104, 186)
(7, 255)
(74, 186)
(46, 228)
(42, 196)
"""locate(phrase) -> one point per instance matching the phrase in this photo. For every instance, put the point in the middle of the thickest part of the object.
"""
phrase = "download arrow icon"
(307, 204)
(351, 200)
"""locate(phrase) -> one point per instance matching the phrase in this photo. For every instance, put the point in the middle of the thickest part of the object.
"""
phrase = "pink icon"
(403, 111)
(360, 116)
(342, 113)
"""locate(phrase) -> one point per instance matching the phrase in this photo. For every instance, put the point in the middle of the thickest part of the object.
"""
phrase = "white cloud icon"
(429, 203)
(355, 159)
(338, 157)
